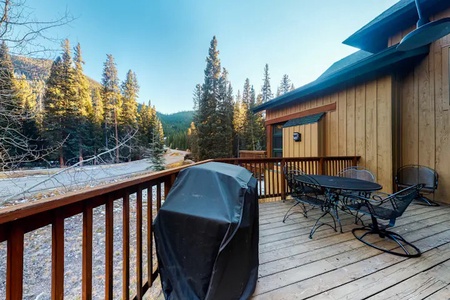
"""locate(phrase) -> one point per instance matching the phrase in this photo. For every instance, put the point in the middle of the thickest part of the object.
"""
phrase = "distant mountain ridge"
(38, 69)
(176, 122)
(32, 68)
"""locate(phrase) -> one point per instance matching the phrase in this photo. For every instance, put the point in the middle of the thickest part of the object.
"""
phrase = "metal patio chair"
(387, 209)
(357, 173)
(302, 195)
(350, 198)
(307, 192)
(409, 175)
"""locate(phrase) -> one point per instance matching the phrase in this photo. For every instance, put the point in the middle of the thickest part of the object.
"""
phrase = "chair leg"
(425, 201)
(315, 227)
(405, 248)
(304, 211)
(335, 207)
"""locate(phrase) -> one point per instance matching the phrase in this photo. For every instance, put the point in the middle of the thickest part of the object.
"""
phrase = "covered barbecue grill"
(207, 234)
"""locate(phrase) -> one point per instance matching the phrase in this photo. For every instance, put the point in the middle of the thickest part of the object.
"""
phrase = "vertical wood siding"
(310, 144)
(361, 125)
(424, 122)
(414, 110)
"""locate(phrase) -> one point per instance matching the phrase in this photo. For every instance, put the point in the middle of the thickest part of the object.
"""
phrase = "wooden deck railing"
(18, 220)
(269, 171)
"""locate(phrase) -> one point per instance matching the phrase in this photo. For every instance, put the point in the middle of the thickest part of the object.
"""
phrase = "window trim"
(278, 135)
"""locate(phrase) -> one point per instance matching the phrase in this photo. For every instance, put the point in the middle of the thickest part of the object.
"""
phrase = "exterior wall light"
(297, 136)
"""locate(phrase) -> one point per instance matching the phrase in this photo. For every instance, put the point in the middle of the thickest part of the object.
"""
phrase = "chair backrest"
(402, 199)
(308, 184)
(293, 185)
(415, 174)
(357, 173)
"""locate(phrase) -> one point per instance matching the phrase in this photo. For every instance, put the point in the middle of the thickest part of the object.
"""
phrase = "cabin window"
(277, 140)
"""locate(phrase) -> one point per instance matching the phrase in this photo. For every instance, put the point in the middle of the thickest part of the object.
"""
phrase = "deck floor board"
(335, 265)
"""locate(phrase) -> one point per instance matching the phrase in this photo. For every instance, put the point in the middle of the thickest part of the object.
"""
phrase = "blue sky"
(165, 42)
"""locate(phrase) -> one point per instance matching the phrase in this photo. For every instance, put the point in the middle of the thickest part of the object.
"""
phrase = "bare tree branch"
(72, 174)
(25, 34)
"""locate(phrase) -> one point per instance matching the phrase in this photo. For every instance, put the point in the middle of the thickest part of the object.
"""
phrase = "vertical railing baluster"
(150, 232)
(158, 196)
(126, 247)
(109, 250)
(87, 252)
(282, 181)
(58, 257)
(139, 243)
(14, 264)
(261, 176)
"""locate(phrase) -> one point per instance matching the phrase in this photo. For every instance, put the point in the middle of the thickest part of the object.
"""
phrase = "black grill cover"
(207, 234)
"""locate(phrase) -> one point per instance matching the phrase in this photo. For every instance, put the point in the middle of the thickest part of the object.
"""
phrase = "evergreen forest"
(53, 114)
(224, 123)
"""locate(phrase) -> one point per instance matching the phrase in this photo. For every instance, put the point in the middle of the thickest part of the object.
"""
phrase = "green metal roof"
(373, 37)
(345, 62)
(304, 120)
(347, 71)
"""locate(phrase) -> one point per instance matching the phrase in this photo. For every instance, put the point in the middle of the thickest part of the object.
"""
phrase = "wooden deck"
(337, 266)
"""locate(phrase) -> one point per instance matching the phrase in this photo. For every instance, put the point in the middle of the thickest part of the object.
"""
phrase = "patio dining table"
(334, 186)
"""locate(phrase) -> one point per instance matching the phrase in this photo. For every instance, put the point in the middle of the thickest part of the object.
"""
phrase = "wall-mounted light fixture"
(297, 136)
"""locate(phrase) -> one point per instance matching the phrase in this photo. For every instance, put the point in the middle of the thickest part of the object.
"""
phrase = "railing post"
(126, 247)
(14, 264)
(139, 243)
(355, 161)
(282, 183)
(167, 186)
(86, 280)
(321, 166)
(58, 256)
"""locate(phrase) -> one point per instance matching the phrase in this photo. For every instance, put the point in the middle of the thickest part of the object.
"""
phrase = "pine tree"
(130, 91)
(266, 91)
(29, 125)
(247, 140)
(192, 131)
(193, 140)
(72, 113)
(95, 123)
(62, 108)
(150, 136)
(128, 117)
(54, 105)
(111, 102)
(260, 127)
(38, 89)
(206, 118)
(225, 117)
(250, 126)
(84, 103)
(285, 86)
(11, 141)
(25, 96)
(239, 123)
(157, 147)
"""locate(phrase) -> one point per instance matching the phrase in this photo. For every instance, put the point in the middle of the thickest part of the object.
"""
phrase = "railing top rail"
(277, 159)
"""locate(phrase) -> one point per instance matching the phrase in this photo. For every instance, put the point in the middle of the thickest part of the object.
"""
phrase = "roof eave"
(374, 36)
(363, 68)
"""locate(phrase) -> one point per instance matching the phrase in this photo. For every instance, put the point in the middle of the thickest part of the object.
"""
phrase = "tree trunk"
(61, 158)
(117, 135)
